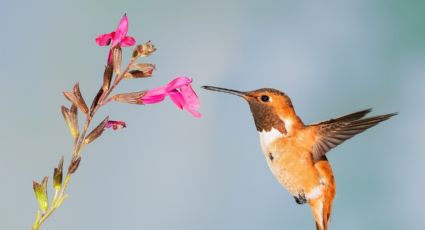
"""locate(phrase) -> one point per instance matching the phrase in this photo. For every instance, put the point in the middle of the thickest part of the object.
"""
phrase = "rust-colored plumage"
(296, 153)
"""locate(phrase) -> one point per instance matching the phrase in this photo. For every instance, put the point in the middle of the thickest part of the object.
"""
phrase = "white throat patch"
(266, 138)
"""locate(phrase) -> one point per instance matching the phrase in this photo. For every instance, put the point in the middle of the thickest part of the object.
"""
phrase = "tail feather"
(322, 205)
(322, 209)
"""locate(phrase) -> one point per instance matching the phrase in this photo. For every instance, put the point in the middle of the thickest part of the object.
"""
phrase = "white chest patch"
(266, 138)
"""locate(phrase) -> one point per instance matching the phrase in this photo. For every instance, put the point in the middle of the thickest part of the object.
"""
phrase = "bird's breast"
(268, 140)
(290, 162)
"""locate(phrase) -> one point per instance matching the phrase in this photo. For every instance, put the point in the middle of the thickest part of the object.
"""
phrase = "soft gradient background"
(168, 170)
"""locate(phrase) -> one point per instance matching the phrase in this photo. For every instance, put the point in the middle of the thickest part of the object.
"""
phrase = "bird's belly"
(292, 167)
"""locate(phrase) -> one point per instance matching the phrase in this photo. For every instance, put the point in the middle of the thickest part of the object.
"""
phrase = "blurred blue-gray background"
(168, 170)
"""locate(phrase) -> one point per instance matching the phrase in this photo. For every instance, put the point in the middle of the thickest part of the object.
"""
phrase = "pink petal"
(121, 30)
(180, 92)
(157, 91)
(192, 102)
(152, 99)
(158, 94)
(115, 125)
(105, 39)
(190, 97)
(195, 113)
(184, 96)
(177, 98)
(178, 82)
(127, 41)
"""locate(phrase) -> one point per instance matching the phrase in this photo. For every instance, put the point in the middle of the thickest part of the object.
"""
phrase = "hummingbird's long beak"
(231, 91)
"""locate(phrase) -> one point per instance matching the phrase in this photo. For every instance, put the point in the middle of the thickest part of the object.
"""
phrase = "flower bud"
(144, 50)
(75, 162)
(40, 190)
(57, 175)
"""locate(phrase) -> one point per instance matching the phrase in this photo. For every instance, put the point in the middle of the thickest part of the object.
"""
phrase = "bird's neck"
(276, 126)
(284, 120)
(290, 119)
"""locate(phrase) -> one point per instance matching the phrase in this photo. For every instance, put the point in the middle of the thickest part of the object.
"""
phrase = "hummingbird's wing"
(335, 131)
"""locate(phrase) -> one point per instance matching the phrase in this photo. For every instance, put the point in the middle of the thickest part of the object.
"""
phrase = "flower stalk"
(81, 140)
(181, 92)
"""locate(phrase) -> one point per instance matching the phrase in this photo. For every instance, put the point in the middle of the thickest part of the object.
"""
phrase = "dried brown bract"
(96, 132)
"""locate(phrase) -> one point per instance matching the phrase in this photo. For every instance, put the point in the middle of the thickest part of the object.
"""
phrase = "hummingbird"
(295, 152)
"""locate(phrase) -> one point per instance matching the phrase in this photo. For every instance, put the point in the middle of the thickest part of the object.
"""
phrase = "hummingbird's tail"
(322, 205)
(322, 209)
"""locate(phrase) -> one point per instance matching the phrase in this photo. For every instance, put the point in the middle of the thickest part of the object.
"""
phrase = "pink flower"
(115, 125)
(118, 37)
(180, 92)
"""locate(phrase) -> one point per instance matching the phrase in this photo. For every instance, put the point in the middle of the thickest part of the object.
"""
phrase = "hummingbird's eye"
(265, 98)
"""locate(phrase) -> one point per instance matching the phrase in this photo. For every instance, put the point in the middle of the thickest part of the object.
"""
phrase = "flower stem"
(79, 143)
(61, 195)
(117, 80)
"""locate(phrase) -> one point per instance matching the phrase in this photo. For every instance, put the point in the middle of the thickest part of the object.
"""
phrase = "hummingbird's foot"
(300, 198)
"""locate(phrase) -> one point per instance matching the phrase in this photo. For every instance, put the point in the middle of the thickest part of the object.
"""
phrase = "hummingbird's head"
(271, 108)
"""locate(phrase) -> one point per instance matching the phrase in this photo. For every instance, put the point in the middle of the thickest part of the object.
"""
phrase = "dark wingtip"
(353, 116)
(393, 114)
(388, 116)
(372, 121)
